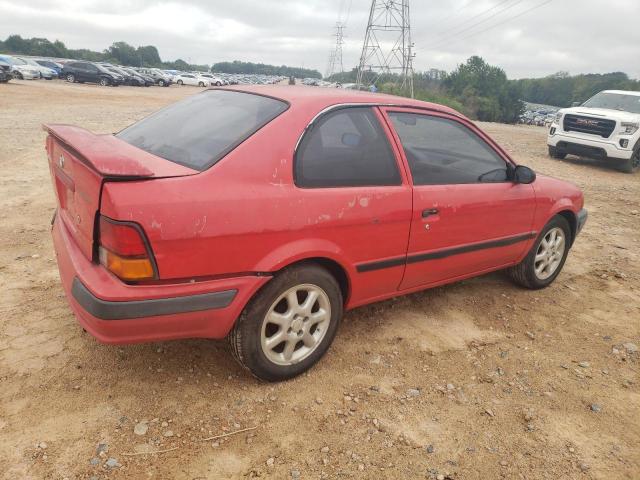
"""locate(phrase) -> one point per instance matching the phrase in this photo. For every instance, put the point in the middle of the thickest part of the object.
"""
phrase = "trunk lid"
(80, 162)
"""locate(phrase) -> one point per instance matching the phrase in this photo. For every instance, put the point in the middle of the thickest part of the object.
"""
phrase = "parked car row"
(107, 74)
(24, 68)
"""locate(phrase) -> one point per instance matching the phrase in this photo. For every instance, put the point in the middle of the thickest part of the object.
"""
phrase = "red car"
(261, 214)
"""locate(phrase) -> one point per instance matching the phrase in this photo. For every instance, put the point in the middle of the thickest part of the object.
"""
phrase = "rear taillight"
(124, 250)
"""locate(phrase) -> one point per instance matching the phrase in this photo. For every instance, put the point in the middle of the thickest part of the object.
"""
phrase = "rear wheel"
(161, 83)
(180, 82)
(554, 153)
(218, 84)
(71, 78)
(103, 82)
(19, 76)
(289, 325)
(633, 164)
(546, 258)
(201, 84)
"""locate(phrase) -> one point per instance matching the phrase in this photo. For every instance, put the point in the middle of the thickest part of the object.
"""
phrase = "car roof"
(623, 92)
(321, 98)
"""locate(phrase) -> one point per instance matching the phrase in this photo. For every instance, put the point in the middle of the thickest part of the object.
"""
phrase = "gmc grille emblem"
(588, 123)
(61, 161)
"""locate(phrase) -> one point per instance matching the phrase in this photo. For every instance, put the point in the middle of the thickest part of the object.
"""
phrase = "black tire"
(70, 77)
(218, 84)
(245, 338)
(524, 273)
(201, 84)
(180, 82)
(103, 82)
(19, 76)
(554, 153)
(161, 83)
(633, 164)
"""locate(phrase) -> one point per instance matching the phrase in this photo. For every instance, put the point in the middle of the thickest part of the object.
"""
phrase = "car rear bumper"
(589, 148)
(114, 312)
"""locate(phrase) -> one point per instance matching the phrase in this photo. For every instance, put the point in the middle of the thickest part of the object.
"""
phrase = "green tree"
(124, 53)
(485, 91)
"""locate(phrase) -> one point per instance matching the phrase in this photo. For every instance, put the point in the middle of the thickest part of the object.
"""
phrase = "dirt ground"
(476, 380)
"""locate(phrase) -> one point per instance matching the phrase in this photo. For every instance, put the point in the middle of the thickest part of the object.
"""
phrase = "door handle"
(429, 212)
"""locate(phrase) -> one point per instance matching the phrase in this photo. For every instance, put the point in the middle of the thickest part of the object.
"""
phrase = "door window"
(442, 151)
(346, 148)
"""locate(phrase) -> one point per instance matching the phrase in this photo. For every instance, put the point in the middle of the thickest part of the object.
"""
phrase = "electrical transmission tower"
(387, 48)
(335, 57)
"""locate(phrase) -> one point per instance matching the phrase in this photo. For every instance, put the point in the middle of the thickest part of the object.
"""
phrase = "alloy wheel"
(550, 253)
(295, 324)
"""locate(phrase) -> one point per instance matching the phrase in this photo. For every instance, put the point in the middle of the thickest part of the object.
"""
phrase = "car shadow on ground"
(604, 165)
(431, 318)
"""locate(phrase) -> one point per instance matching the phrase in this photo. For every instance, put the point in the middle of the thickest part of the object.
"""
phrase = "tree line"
(483, 92)
(262, 69)
(562, 89)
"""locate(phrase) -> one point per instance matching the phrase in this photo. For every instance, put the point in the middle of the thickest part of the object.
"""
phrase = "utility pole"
(387, 48)
(336, 64)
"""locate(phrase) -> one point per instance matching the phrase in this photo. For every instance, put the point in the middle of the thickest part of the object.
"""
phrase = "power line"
(453, 25)
(502, 22)
(535, 7)
(457, 31)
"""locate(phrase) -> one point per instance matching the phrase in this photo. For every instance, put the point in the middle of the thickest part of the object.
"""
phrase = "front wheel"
(71, 78)
(289, 325)
(161, 83)
(554, 153)
(633, 164)
(545, 260)
(180, 82)
(103, 82)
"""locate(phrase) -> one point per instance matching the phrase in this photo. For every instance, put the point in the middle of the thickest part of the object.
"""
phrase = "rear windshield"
(200, 130)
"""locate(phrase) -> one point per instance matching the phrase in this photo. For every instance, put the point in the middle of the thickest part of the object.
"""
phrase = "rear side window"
(200, 130)
(445, 152)
(346, 148)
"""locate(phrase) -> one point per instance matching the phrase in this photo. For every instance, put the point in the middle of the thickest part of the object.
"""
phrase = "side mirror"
(524, 175)
(576, 104)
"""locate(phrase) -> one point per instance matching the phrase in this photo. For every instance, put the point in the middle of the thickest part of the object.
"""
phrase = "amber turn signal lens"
(128, 269)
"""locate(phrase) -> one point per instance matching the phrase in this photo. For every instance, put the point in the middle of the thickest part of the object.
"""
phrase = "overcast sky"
(578, 36)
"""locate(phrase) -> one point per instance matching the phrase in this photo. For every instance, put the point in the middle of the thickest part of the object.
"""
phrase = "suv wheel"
(71, 78)
(161, 83)
(180, 82)
(554, 153)
(633, 164)
(289, 325)
(546, 258)
(104, 82)
(201, 84)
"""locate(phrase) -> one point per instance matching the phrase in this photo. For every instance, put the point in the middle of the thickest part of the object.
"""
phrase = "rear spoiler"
(112, 157)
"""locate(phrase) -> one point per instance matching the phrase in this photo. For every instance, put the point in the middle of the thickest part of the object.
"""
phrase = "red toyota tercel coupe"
(262, 213)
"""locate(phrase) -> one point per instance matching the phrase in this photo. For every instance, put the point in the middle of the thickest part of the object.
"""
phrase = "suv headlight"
(629, 128)
(559, 117)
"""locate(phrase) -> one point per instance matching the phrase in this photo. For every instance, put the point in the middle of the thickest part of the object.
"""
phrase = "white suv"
(607, 126)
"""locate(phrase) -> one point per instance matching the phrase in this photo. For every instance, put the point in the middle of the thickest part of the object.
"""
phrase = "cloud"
(575, 36)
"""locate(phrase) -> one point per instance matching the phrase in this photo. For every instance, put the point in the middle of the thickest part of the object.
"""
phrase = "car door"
(92, 73)
(354, 195)
(468, 216)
